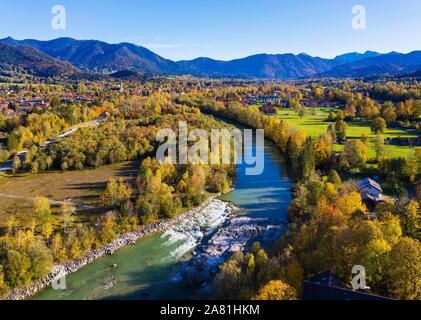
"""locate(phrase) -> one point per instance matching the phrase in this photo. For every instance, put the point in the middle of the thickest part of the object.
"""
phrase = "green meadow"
(317, 124)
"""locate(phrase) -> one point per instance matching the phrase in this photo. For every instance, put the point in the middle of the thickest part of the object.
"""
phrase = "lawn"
(81, 188)
(316, 124)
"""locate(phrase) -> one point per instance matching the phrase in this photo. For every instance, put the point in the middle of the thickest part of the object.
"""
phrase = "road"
(7, 165)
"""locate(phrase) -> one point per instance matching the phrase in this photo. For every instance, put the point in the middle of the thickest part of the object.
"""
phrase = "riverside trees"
(330, 231)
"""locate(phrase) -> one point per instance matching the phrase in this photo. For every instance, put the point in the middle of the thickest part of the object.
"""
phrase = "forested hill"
(33, 61)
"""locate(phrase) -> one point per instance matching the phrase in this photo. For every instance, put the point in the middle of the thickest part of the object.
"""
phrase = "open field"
(81, 188)
(316, 124)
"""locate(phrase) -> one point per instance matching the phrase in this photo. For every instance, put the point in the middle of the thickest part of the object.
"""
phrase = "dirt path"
(52, 202)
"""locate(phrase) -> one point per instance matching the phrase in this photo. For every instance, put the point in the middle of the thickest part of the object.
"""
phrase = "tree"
(58, 249)
(410, 216)
(41, 259)
(317, 92)
(307, 161)
(350, 204)
(42, 210)
(16, 164)
(218, 181)
(378, 125)
(3, 286)
(229, 279)
(379, 146)
(404, 272)
(116, 194)
(4, 155)
(55, 102)
(156, 199)
(340, 127)
(388, 112)
(17, 268)
(277, 290)
(301, 111)
(67, 210)
(106, 226)
(350, 110)
(297, 210)
(81, 88)
(334, 177)
(323, 148)
(356, 153)
(418, 191)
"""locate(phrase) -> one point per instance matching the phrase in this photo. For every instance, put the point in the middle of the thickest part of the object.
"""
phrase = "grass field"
(316, 124)
(81, 188)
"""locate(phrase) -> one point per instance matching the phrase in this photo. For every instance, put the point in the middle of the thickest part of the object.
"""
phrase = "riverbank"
(126, 239)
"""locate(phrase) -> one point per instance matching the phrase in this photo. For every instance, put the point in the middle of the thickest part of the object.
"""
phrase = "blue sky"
(186, 29)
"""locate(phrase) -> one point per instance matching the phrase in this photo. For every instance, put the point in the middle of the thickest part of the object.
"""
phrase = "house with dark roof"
(325, 286)
(370, 190)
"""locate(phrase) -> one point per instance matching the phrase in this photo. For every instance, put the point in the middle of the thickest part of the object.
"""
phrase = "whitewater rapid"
(190, 232)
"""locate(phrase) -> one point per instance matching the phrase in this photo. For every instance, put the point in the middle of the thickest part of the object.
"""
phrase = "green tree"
(378, 125)
(4, 155)
(410, 216)
(41, 260)
(3, 286)
(404, 272)
(356, 153)
(42, 210)
(17, 268)
(334, 177)
(379, 146)
(58, 249)
(116, 194)
(340, 128)
(106, 225)
(55, 102)
(307, 160)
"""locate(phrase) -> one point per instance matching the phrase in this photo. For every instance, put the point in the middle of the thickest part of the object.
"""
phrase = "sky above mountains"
(186, 29)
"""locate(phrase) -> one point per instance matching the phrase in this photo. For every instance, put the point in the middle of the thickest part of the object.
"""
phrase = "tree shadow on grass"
(128, 169)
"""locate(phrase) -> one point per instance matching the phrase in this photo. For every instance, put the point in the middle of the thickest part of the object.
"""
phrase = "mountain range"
(67, 55)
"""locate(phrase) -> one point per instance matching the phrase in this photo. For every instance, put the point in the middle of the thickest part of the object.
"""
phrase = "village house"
(268, 99)
(370, 190)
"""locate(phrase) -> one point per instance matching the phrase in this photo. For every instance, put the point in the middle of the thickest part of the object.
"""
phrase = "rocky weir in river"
(235, 234)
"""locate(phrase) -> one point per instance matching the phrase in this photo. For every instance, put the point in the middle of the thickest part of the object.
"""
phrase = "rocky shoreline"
(109, 249)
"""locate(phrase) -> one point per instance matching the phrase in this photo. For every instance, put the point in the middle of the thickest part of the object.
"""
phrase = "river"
(147, 269)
